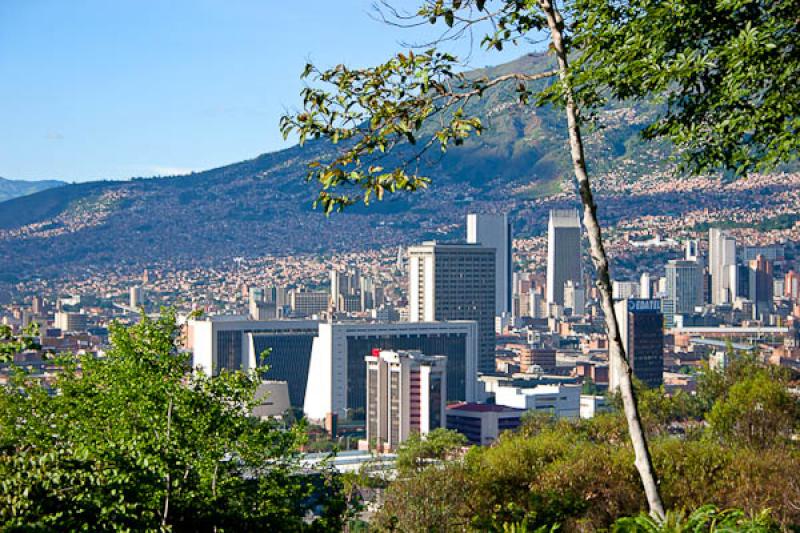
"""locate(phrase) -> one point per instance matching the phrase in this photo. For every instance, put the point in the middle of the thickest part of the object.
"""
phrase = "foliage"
(757, 412)
(418, 450)
(580, 474)
(707, 518)
(727, 72)
(11, 344)
(136, 441)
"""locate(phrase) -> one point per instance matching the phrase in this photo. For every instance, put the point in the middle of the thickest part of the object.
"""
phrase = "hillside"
(14, 188)
(263, 206)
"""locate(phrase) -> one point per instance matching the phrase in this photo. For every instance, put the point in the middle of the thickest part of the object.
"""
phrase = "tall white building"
(721, 261)
(455, 282)
(405, 395)
(136, 297)
(563, 253)
(494, 231)
(337, 384)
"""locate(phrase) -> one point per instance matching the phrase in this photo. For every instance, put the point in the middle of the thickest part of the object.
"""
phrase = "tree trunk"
(617, 355)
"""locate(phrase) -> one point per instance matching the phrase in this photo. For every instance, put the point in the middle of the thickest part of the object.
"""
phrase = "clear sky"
(110, 89)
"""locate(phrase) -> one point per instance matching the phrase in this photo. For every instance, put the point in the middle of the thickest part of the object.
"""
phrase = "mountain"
(263, 206)
(13, 188)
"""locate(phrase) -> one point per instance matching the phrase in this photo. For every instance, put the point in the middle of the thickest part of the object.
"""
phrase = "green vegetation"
(135, 441)
(713, 450)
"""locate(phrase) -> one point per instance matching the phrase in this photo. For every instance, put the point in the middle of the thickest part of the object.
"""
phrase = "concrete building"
(72, 322)
(337, 384)
(482, 423)
(455, 282)
(559, 400)
(563, 253)
(574, 298)
(237, 343)
(308, 303)
(494, 231)
(721, 257)
(641, 325)
(273, 400)
(405, 395)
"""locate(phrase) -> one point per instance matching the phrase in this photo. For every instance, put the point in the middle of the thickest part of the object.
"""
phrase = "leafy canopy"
(137, 441)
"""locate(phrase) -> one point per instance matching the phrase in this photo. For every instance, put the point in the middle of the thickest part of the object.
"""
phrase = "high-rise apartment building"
(455, 282)
(563, 253)
(494, 231)
(721, 258)
(405, 392)
(684, 289)
(641, 327)
(791, 285)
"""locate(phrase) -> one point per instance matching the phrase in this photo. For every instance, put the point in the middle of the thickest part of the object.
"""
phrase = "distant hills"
(263, 205)
(13, 188)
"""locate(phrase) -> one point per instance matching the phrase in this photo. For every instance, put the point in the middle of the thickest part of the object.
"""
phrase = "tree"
(11, 344)
(414, 102)
(418, 451)
(726, 72)
(757, 412)
(136, 441)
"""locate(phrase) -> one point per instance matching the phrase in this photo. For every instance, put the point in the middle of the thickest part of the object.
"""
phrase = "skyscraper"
(494, 231)
(563, 253)
(721, 257)
(642, 331)
(761, 287)
(684, 289)
(455, 282)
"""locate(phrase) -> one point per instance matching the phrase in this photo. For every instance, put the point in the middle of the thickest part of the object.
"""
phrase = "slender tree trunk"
(617, 355)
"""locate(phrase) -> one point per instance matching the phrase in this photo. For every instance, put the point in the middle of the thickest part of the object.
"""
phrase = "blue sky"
(111, 89)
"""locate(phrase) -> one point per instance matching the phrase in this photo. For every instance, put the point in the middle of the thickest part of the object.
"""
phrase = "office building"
(308, 303)
(761, 287)
(237, 343)
(455, 282)
(624, 289)
(405, 395)
(70, 322)
(337, 384)
(494, 231)
(563, 253)
(684, 289)
(482, 423)
(721, 257)
(645, 286)
(641, 325)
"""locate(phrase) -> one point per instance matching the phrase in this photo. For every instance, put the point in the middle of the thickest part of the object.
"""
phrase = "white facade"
(328, 380)
(212, 352)
(494, 231)
(563, 253)
(563, 401)
(721, 261)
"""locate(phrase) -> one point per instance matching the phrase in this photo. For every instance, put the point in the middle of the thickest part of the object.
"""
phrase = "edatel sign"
(638, 305)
